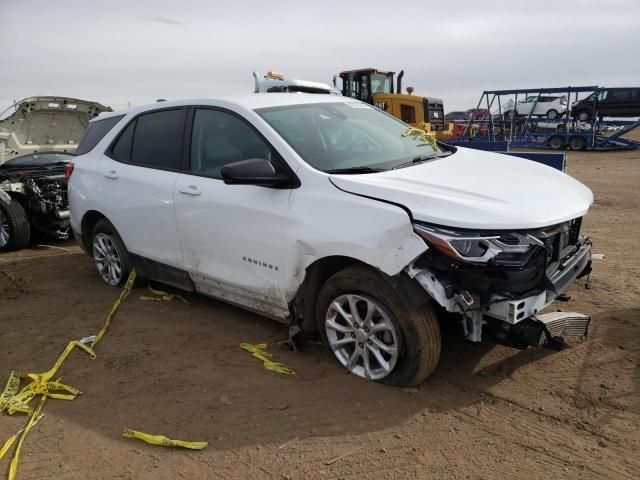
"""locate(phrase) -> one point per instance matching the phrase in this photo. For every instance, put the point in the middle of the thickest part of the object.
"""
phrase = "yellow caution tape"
(163, 441)
(259, 351)
(13, 467)
(163, 296)
(123, 295)
(14, 400)
(7, 445)
(421, 134)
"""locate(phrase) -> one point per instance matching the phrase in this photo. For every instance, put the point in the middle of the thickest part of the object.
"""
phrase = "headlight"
(475, 247)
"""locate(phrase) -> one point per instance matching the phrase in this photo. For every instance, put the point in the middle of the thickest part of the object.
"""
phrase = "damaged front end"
(500, 281)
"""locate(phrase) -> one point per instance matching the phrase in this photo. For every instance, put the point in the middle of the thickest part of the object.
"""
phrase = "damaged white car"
(37, 140)
(326, 213)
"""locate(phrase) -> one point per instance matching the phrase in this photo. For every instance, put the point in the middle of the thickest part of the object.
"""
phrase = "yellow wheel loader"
(376, 87)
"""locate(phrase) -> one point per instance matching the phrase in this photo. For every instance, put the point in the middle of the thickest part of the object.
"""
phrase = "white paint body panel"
(212, 235)
(476, 189)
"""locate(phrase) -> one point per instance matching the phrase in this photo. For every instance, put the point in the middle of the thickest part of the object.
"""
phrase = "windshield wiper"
(422, 158)
(355, 170)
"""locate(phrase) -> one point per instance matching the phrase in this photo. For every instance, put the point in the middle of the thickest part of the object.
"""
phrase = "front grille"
(574, 230)
(558, 239)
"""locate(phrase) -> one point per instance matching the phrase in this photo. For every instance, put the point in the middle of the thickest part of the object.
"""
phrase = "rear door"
(137, 176)
(232, 235)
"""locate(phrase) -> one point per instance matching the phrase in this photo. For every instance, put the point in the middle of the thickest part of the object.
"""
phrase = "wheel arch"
(88, 223)
(317, 274)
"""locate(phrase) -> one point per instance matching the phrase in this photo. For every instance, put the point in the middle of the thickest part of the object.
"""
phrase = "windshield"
(380, 83)
(350, 135)
(39, 160)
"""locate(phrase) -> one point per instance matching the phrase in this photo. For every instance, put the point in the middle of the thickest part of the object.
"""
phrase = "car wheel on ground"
(577, 143)
(552, 114)
(372, 334)
(15, 230)
(110, 254)
(556, 142)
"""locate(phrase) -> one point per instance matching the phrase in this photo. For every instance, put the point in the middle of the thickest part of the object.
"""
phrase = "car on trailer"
(551, 106)
(327, 214)
(608, 102)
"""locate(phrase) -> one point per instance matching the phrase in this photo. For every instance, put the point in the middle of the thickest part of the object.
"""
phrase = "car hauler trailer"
(541, 130)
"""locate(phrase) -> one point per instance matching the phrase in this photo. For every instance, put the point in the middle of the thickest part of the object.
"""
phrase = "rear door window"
(157, 139)
(96, 132)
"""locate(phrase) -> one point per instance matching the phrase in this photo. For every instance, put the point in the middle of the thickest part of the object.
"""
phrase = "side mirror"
(254, 171)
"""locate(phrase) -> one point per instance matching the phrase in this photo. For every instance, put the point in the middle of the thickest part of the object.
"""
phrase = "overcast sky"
(117, 51)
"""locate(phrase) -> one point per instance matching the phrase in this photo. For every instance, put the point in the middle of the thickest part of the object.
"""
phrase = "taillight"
(68, 170)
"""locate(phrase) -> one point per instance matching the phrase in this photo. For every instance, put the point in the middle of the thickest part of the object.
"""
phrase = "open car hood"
(476, 189)
(45, 124)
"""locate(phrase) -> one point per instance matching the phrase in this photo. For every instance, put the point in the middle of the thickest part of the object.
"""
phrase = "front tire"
(109, 254)
(15, 229)
(372, 334)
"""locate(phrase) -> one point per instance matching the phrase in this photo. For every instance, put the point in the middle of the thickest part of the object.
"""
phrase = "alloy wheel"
(5, 233)
(362, 336)
(108, 259)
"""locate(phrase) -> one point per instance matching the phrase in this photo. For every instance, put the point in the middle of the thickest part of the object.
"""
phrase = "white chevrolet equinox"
(328, 214)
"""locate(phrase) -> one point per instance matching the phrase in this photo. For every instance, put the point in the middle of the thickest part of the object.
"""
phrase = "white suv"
(326, 213)
(551, 106)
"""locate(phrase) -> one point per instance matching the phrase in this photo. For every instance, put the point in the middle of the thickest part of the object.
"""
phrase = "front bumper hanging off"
(515, 322)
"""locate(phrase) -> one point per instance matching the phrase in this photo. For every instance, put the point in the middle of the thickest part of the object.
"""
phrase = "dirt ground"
(177, 370)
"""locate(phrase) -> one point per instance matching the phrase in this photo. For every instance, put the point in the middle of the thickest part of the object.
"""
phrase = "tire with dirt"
(372, 333)
(110, 254)
(15, 229)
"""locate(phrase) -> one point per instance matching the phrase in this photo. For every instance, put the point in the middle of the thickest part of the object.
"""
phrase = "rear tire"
(15, 230)
(577, 143)
(556, 142)
(110, 254)
(552, 114)
(415, 333)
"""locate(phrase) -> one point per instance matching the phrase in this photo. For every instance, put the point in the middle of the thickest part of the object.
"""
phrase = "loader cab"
(376, 87)
(364, 83)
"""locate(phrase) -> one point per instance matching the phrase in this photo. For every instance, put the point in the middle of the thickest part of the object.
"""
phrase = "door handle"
(190, 190)
(110, 174)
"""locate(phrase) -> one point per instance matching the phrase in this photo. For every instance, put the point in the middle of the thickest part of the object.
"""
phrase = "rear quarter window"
(96, 132)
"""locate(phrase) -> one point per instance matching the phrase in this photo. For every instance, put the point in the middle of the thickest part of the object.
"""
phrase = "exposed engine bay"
(42, 192)
(38, 137)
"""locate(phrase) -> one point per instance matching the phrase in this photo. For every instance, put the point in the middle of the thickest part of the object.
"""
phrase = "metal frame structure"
(524, 133)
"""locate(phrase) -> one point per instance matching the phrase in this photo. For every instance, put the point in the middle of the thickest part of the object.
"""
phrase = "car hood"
(45, 124)
(476, 189)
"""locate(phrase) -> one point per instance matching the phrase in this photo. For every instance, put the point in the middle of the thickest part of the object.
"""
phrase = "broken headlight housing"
(477, 247)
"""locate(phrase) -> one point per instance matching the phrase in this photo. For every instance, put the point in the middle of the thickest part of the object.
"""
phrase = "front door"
(232, 235)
